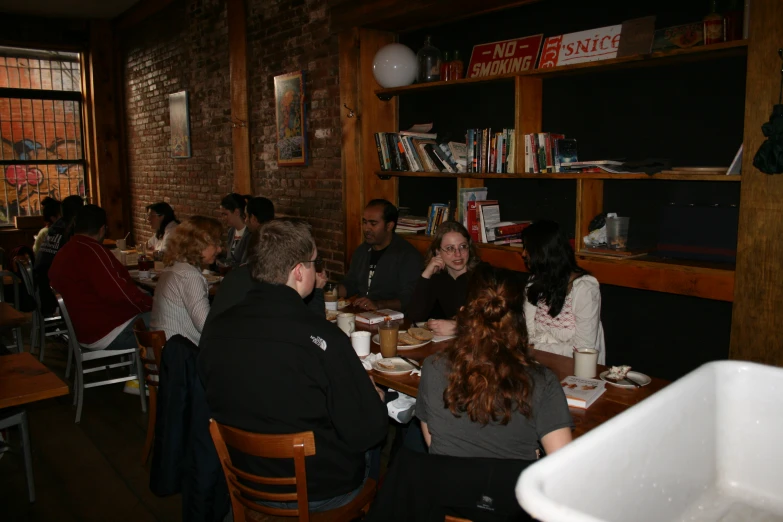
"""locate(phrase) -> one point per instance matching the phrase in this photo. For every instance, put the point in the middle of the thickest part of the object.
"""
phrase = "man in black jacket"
(270, 365)
(385, 268)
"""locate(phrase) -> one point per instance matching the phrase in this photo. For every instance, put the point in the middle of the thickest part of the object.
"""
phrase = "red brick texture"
(185, 47)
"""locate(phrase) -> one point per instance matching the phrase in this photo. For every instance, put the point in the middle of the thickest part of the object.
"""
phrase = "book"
(488, 213)
(565, 152)
(580, 393)
(507, 228)
(380, 151)
(459, 152)
(379, 316)
(426, 135)
(468, 194)
(472, 222)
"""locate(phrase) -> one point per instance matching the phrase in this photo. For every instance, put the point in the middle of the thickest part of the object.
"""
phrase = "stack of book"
(414, 152)
(411, 225)
(490, 152)
(437, 214)
(508, 232)
(546, 152)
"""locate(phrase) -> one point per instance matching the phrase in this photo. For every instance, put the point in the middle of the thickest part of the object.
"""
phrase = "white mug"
(361, 343)
(585, 363)
(346, 322)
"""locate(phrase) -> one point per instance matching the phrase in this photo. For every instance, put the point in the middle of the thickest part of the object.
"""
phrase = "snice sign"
(584, 46)
(505, 57)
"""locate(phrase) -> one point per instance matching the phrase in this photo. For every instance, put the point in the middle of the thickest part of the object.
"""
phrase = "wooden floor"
(83, 472)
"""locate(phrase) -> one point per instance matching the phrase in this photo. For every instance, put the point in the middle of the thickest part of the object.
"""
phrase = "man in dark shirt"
(385, 268)
(59, 234)
(270, 365)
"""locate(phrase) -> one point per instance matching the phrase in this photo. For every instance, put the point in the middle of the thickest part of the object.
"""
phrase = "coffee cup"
(121, 244)
(347, 323)
(361, 343)
(585, 363)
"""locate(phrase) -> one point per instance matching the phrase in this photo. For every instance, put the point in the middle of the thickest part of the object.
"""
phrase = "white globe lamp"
(395, 65)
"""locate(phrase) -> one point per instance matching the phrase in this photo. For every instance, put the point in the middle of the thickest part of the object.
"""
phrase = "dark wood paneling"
(757, 322)
(237, 53)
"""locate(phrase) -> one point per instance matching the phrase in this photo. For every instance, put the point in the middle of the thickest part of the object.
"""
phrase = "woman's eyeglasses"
(451, 249)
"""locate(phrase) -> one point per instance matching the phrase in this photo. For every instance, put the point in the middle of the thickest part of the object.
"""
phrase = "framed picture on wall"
(179, 115)
(291, 121)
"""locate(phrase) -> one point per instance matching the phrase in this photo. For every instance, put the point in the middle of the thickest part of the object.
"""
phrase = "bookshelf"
(657, 59)
(755, 286)
(664, 175)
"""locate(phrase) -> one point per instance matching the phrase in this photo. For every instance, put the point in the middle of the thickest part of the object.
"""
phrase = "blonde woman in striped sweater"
(181, 300)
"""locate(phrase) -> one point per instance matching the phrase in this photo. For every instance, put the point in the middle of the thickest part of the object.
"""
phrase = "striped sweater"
(181, 302)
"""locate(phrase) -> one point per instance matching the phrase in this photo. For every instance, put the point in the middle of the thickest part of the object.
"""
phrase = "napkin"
(441, 338)
(367, 361)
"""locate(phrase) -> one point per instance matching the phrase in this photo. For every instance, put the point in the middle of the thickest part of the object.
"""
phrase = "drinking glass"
(387, 331)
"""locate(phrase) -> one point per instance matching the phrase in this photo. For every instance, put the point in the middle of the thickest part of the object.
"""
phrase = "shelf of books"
(662, 58)
(664, 175)
(693, 278)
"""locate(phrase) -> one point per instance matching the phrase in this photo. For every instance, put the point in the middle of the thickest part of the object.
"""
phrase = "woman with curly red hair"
(486, 396)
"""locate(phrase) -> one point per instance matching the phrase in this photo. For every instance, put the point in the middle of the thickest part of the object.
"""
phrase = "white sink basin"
(708, 447)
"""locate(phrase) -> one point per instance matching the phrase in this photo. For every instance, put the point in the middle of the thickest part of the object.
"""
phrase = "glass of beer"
(387, 331)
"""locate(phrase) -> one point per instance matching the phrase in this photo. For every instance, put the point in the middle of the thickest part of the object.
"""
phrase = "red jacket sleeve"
(113, 282)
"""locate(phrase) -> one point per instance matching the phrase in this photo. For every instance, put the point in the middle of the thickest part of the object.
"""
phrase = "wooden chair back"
(151, 344)
(295, 446)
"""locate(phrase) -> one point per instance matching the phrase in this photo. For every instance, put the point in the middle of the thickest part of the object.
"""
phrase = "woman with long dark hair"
(485, 395)
(442, 287)
(232, 213)
(163, 221)
(563, 301)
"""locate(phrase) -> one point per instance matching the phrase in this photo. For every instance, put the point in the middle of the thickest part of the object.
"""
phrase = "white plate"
(400, 366)
(331, 316)
(212, 279)
(377, 341)
(641, 378)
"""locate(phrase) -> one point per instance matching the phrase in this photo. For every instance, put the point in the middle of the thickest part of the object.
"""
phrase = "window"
(41, 135)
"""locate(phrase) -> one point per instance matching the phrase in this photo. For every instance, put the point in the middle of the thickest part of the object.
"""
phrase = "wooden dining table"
(613, 402)
(10, 317)
(24, 380)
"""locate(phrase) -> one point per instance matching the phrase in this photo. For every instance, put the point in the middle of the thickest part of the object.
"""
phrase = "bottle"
(713, 25)
(429, 62)
(733, 20)
(456, 67)
(445, 73)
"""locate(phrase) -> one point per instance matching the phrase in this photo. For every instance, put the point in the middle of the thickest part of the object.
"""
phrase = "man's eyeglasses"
(451, 249)
(319, 263)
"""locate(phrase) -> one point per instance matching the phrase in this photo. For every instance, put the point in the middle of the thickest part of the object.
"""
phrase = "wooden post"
(103, 127)
(757, 320)
(370, 115)
(237, 55)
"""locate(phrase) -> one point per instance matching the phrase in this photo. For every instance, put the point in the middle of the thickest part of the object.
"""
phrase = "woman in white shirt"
(563, 302)
(181, 301)
(162, 220)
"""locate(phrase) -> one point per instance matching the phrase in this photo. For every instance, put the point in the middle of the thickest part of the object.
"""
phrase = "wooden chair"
(296, 446)
(151, 344)
(455, 519)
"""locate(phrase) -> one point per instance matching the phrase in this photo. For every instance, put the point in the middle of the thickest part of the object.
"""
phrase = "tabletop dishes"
(401, 345)
(640, 378)
(392, 366)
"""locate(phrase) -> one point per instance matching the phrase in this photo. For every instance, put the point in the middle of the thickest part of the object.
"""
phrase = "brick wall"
(185, 47)
(283, 36)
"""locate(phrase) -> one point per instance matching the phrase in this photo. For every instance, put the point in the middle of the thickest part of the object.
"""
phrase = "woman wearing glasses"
(443, 285)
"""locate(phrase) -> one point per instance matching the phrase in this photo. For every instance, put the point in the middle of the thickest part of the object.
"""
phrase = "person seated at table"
(269, 365)
(163, 222)
(98, 291)
(442, 287)
(232, 213)
(563, 302)
(485, 395)
(259, 210)
(236, 284)
(50, 211)
(385, 268)
(181, 301)
(59, 234)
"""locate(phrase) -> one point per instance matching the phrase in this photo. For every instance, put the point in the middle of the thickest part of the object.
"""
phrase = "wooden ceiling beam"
(138, 13)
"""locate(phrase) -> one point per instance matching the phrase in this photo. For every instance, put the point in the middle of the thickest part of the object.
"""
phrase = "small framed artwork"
(291, 121)
(179, 115)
